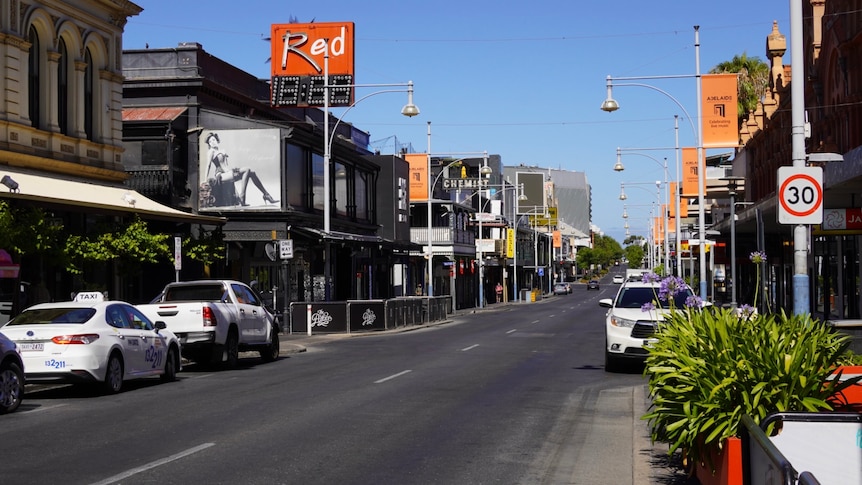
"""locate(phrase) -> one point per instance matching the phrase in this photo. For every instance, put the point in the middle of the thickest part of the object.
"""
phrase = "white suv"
(629, 328)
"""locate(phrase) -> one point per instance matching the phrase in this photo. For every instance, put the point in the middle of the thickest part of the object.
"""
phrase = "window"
(33, 80)
(317, 183)
(63, 88)
(341, 191)
(89, 96)
(362, 195)
(296, 181)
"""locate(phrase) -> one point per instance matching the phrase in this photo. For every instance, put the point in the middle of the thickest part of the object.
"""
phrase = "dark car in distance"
(593, 285)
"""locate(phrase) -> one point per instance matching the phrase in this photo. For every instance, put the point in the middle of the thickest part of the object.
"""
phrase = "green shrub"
(711, 366)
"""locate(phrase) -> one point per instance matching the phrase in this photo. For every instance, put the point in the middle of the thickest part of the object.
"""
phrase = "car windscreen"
(205, 292)
(52, 316)
(630, 297)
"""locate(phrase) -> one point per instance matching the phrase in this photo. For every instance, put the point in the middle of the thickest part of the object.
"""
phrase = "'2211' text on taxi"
(91, 340)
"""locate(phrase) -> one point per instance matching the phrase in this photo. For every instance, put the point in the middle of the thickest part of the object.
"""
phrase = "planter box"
(851, 398)
(727, 463)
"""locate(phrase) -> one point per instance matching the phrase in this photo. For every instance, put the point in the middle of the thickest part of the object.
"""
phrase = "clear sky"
(524, 81)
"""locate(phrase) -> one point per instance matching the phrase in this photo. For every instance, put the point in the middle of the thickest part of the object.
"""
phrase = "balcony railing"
(442, 236)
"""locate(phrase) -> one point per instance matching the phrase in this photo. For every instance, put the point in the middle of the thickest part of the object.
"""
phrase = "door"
(253, 316)
(129, 337)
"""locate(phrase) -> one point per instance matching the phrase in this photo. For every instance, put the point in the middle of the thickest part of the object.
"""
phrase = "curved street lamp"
(619, 168)
(611, 105)
(408, 110)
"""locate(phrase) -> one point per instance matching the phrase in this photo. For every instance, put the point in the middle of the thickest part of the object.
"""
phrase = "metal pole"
(327, 156)
(679, 269)
(479, 254)
(430, 255)
(665, 209)
(801, 285)
(515, 249)
(733, 247)
(701, 169)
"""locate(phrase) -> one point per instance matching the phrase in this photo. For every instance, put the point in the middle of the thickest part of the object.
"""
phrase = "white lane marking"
(535, 321)
(469, 348)
(44, 408)
(393, 376)
(512, 331)
(154, 464)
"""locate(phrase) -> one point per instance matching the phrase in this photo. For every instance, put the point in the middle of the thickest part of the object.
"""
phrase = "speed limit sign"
(800, 195)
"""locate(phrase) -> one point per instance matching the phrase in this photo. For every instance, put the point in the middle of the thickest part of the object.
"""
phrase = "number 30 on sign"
(800, 195)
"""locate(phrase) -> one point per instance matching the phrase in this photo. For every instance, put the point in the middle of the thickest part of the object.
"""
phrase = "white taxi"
(92, 340)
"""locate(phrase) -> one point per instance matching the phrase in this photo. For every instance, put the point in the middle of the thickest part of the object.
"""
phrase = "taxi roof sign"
(90, 296)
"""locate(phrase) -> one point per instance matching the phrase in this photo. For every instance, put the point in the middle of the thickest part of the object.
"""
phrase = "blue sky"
(524, 82)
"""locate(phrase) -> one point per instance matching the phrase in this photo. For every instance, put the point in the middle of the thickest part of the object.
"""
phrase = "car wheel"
(271, 351)
(11, 387)
(114, 374)
(231, 350)
(171, 366)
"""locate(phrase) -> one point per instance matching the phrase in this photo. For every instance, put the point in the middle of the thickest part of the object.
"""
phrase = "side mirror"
(160, 325)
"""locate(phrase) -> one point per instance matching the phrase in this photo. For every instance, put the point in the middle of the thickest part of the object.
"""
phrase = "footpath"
(650, 463)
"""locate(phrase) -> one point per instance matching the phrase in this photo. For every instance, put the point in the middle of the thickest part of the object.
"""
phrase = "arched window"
(63, 89)
(33, 78)
(88, 96)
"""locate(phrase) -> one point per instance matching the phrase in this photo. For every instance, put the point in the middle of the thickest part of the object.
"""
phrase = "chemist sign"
(800, 195)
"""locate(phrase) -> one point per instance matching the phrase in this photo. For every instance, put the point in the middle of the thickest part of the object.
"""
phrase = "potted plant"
(709, 366)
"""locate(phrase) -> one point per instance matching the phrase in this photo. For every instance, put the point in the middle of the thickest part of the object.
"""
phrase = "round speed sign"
(800, 195)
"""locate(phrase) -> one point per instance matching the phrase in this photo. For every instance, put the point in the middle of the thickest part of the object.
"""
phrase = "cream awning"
(49, 189)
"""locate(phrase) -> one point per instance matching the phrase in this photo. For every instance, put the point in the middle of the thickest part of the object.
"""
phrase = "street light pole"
(611, 105)
(732, 185)
(408, 110)
(618, 167)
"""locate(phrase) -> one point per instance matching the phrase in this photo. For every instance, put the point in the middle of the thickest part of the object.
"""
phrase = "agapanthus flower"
(670, 287)
(648, 307)
(651, 278)
(757, 257)
(694, 301)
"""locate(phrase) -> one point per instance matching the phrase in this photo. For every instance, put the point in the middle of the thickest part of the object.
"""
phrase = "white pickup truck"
(215, 320)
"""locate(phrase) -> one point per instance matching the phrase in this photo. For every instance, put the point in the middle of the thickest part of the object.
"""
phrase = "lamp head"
(610, 105)
(618, 167)
(410, 110)
(11, 184)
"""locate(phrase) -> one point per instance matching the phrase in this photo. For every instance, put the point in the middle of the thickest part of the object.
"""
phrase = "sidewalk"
(650, 462)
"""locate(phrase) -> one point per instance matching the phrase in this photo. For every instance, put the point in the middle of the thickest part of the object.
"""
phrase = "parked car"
(216, 320)
(562, 289)
(93, 340)
(11, 376)
(593, 285)
(628, 327)
(618, 279)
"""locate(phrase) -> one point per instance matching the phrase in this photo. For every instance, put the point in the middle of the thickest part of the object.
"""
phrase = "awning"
(39, 187)
(152, 114)
(340, 236)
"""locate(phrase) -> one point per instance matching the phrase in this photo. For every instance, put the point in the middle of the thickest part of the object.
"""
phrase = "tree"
(753, 82)
(635, 255)
(129, 245)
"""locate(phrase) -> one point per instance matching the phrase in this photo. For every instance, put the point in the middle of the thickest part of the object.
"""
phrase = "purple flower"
(670, 287)
(694, 301)
(648, 307)
(651, 277)
(757, 257)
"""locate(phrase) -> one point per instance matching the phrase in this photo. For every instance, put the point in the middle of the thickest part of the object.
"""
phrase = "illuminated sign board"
(299, 64)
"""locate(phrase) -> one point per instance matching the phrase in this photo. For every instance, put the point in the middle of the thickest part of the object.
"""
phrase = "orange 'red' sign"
(299, 63)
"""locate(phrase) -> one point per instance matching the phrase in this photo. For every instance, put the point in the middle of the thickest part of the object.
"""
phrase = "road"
(515, 397)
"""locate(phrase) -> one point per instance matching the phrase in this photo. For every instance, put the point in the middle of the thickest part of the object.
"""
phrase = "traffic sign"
(800, 195)
(285, 248)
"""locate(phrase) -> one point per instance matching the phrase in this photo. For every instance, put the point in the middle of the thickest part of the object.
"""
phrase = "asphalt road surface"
(516, 396)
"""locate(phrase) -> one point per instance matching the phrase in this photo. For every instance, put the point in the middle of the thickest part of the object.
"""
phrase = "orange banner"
(720, 123)
(558, 239)
(418, 176)
(689, 172)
